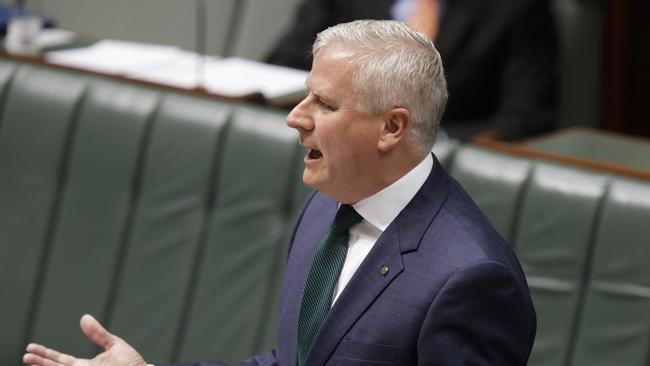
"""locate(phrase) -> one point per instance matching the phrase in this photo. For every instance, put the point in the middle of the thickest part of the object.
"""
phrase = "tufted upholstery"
(140, 207)
(584, 242)
(166, 215)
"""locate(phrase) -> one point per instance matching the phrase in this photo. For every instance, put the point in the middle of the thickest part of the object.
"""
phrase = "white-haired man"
(390, 261)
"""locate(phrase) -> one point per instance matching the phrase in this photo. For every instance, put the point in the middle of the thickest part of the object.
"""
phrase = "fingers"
(96, 332)
(34, 360)
(42, 356)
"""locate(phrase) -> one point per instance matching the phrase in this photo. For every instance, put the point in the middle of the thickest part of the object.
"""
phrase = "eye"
(325, 105)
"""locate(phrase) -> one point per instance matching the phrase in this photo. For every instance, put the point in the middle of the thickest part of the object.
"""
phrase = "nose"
(299, 117)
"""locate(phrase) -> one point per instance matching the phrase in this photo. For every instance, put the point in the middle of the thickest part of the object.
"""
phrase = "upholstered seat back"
(583, 240)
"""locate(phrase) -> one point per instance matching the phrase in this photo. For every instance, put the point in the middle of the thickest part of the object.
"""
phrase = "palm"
(116, 351)
(120, 354)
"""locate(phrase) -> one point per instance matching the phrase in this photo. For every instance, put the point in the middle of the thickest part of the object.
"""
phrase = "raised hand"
(116, 351)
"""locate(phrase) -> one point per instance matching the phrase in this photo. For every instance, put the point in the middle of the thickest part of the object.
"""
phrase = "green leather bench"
(166, 215)
(583, 239)
(163, 214)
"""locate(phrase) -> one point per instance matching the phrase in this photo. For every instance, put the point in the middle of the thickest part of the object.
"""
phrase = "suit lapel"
(404, 234)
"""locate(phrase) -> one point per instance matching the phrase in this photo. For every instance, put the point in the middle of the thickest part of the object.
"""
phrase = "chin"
(310, 181)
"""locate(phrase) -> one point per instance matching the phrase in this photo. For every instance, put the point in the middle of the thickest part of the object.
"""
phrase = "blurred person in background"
(500, 56)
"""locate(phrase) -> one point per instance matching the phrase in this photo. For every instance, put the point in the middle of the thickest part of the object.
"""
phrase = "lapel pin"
(383, 270)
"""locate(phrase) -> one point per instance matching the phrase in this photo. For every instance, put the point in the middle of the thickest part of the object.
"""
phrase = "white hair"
(397, 67)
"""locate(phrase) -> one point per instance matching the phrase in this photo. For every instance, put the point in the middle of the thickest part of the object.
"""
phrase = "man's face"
(341, 141)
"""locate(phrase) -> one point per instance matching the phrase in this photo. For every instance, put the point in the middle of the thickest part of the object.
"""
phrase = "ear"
(393, 128)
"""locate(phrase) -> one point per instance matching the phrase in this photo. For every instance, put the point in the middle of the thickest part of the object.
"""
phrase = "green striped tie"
(321, 280)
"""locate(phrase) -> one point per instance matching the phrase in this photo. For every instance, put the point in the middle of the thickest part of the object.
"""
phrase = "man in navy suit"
(423, 278)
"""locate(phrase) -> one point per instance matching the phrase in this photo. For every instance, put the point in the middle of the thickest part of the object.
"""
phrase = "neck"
(388, 170)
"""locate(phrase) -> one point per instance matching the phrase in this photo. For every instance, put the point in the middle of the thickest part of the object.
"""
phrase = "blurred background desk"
(589, 148)
(171, 68)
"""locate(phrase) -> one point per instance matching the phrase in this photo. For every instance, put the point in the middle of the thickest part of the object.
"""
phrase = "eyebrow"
(319, 95)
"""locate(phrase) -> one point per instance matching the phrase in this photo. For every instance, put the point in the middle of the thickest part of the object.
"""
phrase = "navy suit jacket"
(454, 293)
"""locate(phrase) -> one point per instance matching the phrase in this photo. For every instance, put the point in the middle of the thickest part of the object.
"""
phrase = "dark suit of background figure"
(499, 57)
(454, 293)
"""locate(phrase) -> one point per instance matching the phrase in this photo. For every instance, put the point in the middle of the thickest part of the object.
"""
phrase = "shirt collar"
(382, 208)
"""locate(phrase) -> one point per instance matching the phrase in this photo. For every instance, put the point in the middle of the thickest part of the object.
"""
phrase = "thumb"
(96, 332)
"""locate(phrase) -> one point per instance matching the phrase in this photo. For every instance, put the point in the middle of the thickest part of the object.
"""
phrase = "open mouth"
(314, 154)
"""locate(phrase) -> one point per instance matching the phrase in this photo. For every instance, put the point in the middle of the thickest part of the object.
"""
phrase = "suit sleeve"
(294, 48)
(483, 315)
(528, 102)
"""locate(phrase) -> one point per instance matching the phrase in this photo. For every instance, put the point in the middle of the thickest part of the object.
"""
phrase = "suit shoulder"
(462, 234)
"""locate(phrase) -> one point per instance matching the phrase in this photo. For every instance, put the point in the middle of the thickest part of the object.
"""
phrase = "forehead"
(332, 70)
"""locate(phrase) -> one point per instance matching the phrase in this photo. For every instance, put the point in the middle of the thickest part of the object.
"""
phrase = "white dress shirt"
(378, 211)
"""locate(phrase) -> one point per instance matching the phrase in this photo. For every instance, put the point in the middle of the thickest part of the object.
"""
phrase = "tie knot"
(345, 218)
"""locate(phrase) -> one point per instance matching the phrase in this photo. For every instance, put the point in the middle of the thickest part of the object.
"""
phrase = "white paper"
(114, 57)
(168, 65)
(186, 70)
(236, 76)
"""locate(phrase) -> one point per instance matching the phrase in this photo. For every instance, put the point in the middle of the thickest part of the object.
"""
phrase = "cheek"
(346, 146)
(363, 139)
(330, 139)
(350, 154)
